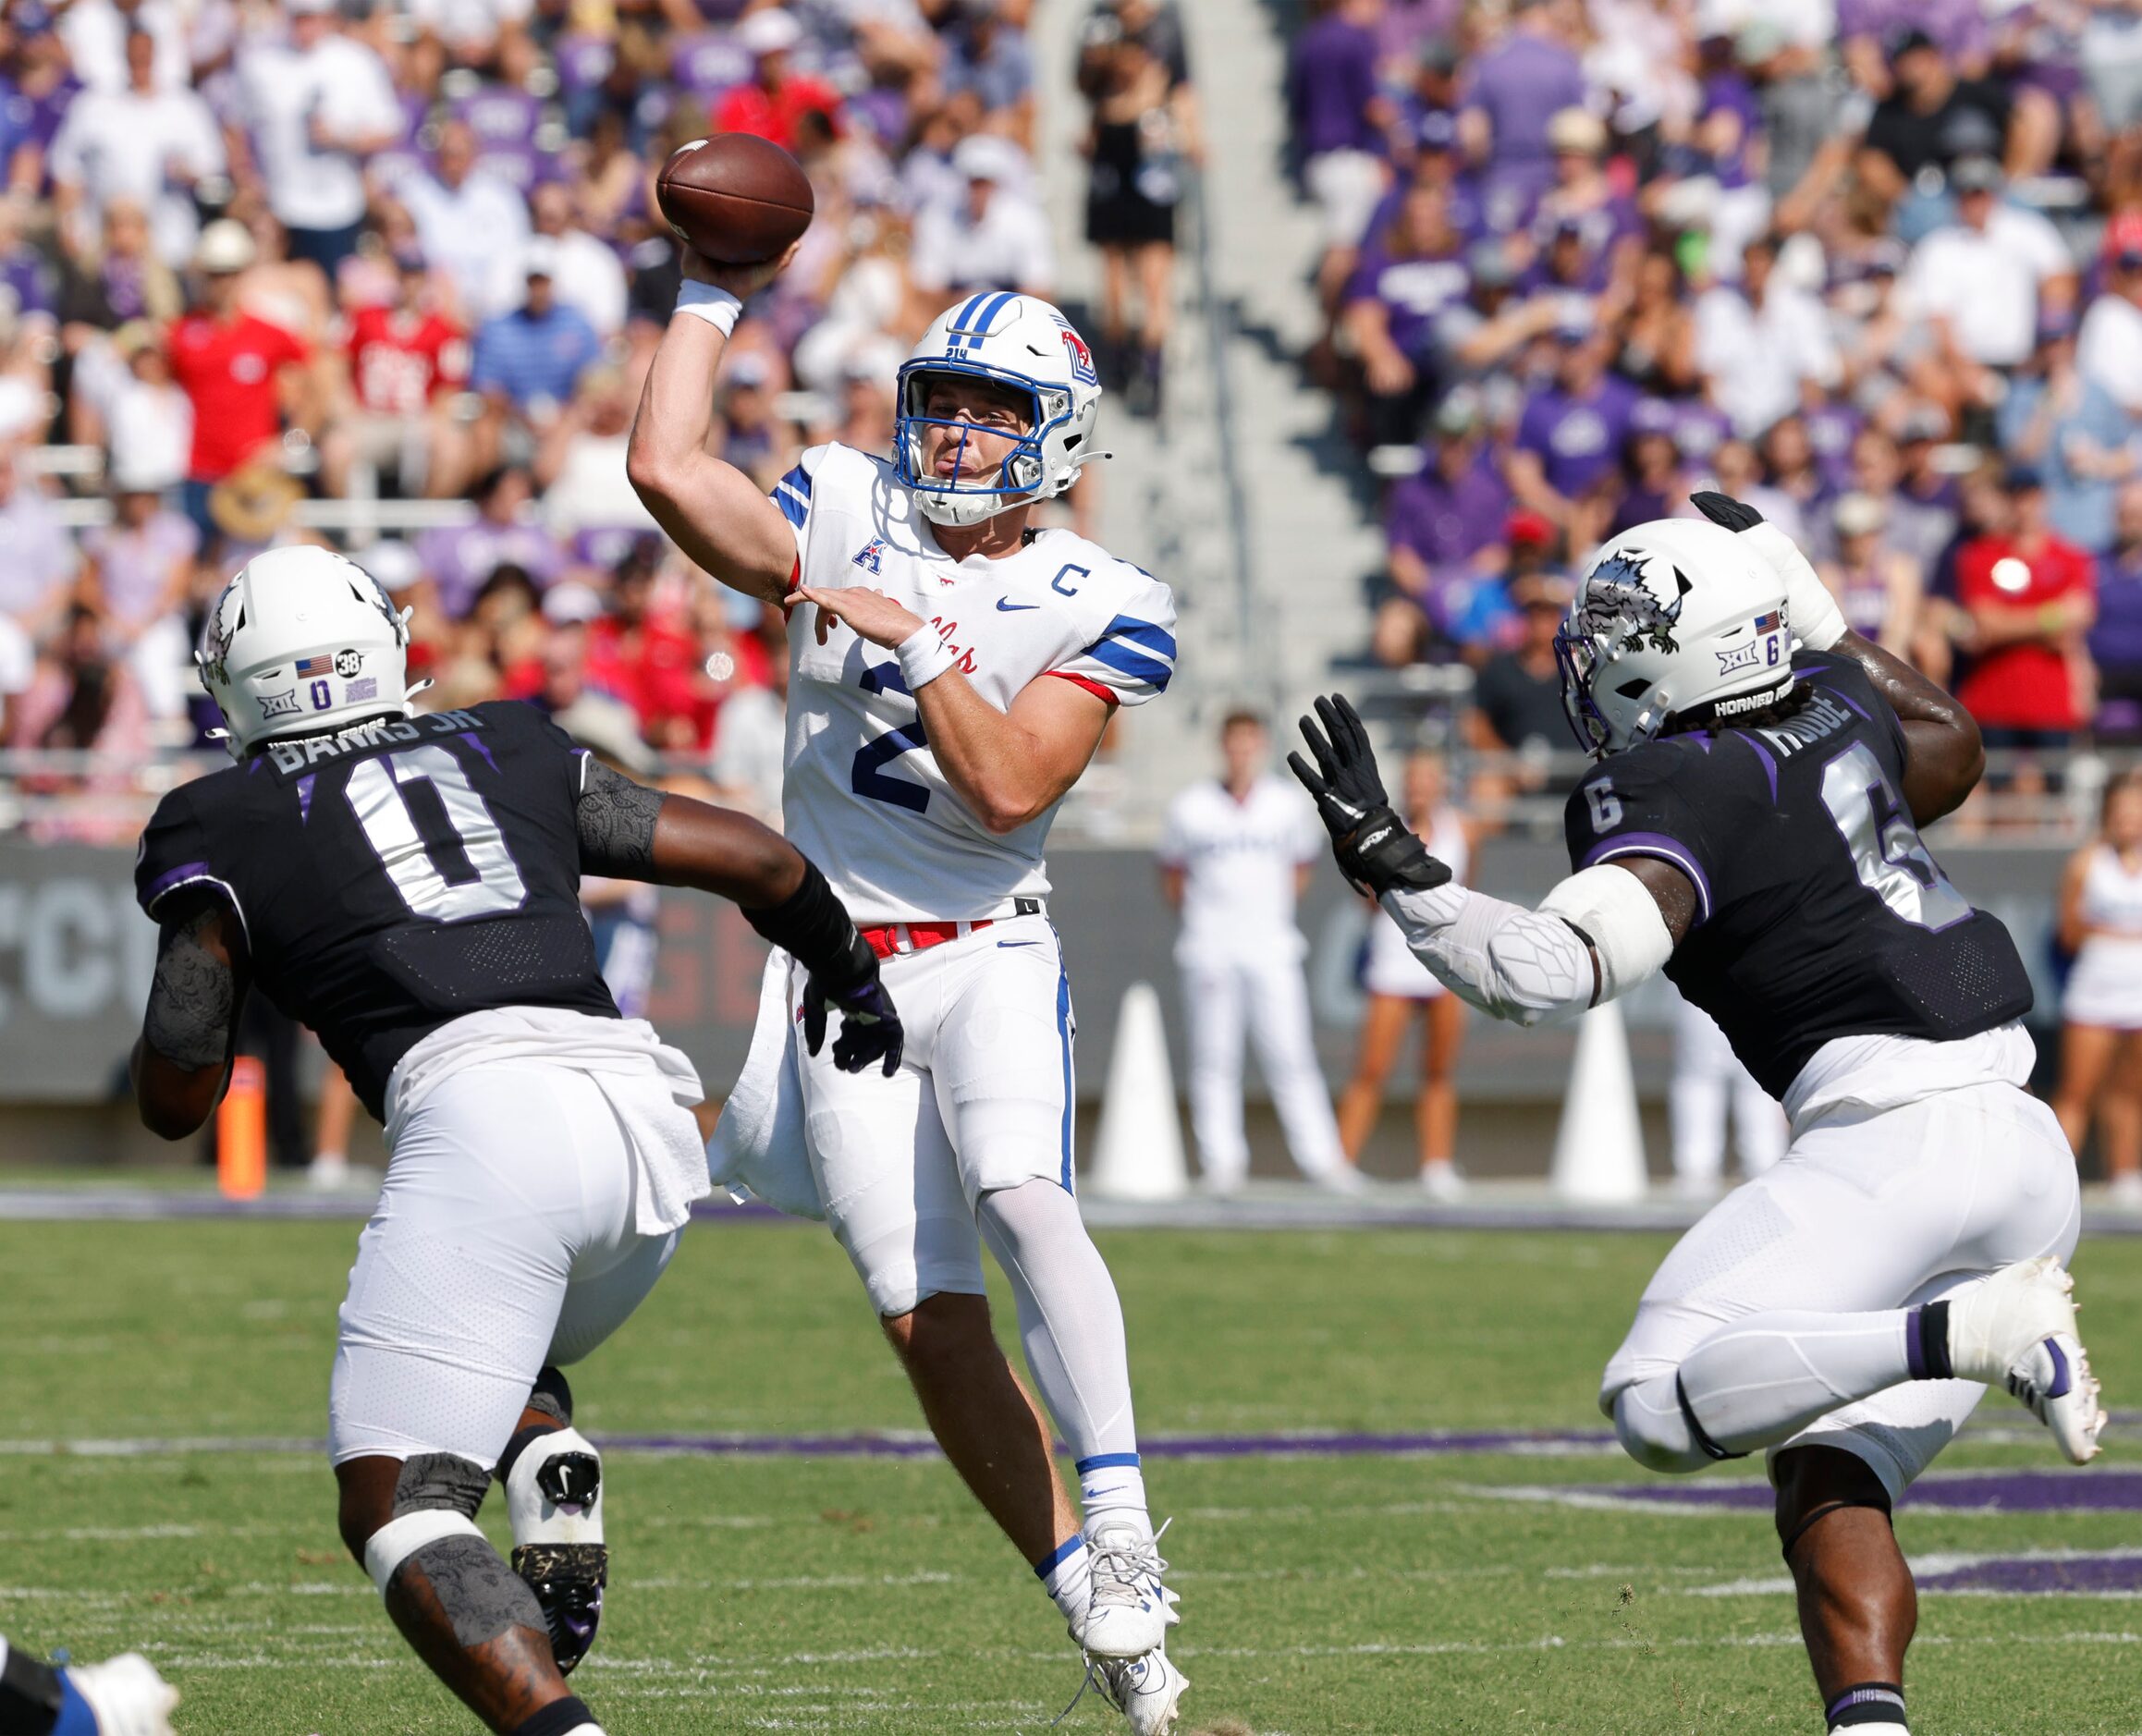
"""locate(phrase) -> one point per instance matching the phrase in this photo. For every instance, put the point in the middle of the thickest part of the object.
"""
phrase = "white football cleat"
(1144, 1690)
(2017, 1330)
(126, 1694)
(1130, 1612)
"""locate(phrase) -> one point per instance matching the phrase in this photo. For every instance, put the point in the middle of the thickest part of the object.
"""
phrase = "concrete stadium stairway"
(1240, 495)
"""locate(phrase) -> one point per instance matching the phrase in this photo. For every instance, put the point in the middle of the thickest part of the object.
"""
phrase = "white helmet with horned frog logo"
(1671, 615)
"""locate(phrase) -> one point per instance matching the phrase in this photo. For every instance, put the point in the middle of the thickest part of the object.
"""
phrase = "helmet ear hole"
(1634, 688)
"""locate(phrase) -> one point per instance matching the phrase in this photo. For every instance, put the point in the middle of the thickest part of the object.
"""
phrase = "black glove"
(1735, 515)
(870, 1027)
(1375, 849)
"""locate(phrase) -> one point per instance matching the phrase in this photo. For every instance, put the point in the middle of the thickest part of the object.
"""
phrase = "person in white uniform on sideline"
(1709, 1085)
(1235, 854)
(1398, 984)
(2100, 924)
(953, 666)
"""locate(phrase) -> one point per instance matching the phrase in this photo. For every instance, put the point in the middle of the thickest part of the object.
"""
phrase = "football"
(735, 198)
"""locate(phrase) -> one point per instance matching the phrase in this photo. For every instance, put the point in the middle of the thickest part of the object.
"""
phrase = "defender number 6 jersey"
(393, 877)
(863, 794)
(1821, 913)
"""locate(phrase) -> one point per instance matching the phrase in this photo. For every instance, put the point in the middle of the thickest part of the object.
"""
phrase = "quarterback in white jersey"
(952, 669)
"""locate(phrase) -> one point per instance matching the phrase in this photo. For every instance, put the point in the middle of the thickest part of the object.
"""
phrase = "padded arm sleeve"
(1531, 967)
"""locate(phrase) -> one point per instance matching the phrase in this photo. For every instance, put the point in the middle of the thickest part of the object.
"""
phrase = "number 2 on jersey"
(375, 793)
(1886, 851)
(866, 778)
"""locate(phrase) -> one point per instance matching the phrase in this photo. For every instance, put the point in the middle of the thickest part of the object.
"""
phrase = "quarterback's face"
(973, 426)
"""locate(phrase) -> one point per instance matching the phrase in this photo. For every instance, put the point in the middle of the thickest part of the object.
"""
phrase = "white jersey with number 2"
(862, 795)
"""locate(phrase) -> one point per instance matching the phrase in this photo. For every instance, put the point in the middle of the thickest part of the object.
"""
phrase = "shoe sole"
(2075, 1418)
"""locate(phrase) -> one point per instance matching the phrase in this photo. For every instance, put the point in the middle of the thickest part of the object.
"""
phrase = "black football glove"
(1375, 849)
(870, 1027)
(1735, 515)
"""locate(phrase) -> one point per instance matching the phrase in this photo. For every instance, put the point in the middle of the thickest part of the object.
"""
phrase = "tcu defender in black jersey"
(393, 875)
(1819, 912)
(407, 886)
(1752, 830)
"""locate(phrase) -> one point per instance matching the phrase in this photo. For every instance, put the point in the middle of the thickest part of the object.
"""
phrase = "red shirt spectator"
(774, 114)
(2032, 598)
(227, 362)
(402, 357)
(775, 99)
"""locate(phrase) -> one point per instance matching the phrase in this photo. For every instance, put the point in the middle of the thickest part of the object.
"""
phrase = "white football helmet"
(302, 640)
(1672, 615)
(1017, 341)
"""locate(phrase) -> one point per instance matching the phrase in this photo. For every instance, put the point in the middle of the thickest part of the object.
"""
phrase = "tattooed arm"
(187, 1034)
(633, 832)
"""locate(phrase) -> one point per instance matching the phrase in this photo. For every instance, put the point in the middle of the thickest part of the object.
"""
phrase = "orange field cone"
(241, 1131)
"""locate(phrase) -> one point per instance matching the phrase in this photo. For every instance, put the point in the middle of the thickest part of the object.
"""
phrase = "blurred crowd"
(287, 270)
(1875, 266)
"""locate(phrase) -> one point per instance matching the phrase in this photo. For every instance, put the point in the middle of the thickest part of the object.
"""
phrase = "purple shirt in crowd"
(1520, 85)
(1578, 440)
(1729, 93)
(461, 557)
(1413, 290)
(1958, 27)
(1330, 81)
(2117, 640)
(1442, 520)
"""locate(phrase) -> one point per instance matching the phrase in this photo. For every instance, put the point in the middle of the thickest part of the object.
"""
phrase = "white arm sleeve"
(1533, 966)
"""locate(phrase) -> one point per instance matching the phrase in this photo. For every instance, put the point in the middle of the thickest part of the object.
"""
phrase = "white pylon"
(1138, 1152)
(1598, 1149)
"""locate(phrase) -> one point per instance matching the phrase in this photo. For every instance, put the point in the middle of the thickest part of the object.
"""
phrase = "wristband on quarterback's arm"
(1531, 967)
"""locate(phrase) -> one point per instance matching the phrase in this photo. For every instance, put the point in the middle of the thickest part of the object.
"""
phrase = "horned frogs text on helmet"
(1672, 615)
(1016, 341)
(301, 641)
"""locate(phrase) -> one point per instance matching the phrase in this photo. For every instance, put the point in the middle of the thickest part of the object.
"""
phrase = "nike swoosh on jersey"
(1018, 943)
(1010, 607)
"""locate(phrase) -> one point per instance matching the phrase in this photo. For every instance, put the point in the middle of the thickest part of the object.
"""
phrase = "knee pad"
(1655, 1436)
(554, 1499)
(436, 1497)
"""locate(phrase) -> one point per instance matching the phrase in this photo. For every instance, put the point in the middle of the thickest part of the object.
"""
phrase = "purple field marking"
(2096, 1575)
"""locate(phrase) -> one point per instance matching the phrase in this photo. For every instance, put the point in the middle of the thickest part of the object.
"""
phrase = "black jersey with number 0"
(394, 877)
(1819, 912)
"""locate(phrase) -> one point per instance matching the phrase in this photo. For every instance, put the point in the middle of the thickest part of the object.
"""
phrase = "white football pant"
(1869, 1210)
(504, 1238)
(1269, 997)
(981, 1102)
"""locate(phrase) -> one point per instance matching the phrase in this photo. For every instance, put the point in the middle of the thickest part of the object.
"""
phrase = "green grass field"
(1478, 1592)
